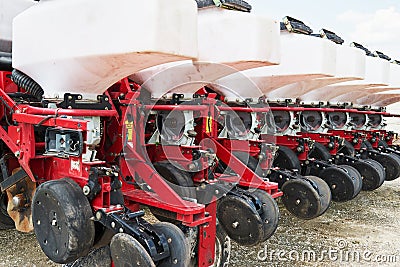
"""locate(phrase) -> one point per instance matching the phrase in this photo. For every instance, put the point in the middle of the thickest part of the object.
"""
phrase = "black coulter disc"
(5, 220)
(126, 251)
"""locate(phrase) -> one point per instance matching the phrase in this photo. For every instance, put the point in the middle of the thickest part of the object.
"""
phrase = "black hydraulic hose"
(26, 82)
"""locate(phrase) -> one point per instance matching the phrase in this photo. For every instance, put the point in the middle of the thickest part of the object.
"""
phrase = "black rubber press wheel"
(178, 246)
(306, 198)
(343, 186)
(62, 220)
(240, 220)
(286, 159)
(269, 214)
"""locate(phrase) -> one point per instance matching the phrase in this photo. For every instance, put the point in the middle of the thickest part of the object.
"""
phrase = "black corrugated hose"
(26, 82)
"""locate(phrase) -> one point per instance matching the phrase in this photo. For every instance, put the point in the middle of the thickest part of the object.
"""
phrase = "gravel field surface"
(362, 232)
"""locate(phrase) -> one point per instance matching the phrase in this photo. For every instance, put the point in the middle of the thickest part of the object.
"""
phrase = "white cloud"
(379, 30)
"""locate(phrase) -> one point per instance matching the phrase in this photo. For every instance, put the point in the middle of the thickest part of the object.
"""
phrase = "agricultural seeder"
(179, 119)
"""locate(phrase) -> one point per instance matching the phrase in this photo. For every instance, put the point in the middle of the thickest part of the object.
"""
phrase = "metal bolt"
(98, 215)
(235, 225)
(113, 224)
(86, 190)
(18, 201)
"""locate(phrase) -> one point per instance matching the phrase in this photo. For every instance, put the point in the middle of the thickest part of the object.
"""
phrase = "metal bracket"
(9, 181)
(131, 223)
(72, 101)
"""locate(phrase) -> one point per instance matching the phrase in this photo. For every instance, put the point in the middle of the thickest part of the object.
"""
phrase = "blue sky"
(374, 23)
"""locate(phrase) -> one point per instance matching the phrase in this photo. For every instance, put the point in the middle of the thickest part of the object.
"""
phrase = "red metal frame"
(21, 139)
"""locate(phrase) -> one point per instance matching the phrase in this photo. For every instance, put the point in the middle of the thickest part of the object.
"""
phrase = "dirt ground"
(362, 232)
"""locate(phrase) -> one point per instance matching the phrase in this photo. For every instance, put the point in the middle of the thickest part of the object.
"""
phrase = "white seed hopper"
(84, 46)
(376, 74)
(228, 42)
(303, 57)
(378, 96)
(8, 10)
(350, 65)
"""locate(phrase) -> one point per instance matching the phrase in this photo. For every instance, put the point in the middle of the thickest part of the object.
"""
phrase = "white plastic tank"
(228, 41)
(303, 57)
(350, 65)
(378, 96)
(376, 74)
(8, 10)
(84, 46)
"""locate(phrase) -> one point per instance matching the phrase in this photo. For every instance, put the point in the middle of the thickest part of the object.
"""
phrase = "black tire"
(390, 162)
(246, 159)
(177, 243)
(270, 213)
(324, 192)
(347, 149)
(270, 210)
(356, 177)
(372, 174)
(179, 180)
(397, 158)
(240, 220)
(301, 199)
(223, 248)
(5, 220)
(287, 159)
(342, 185)
(62, 221)
(320, 152)
(378, 166)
